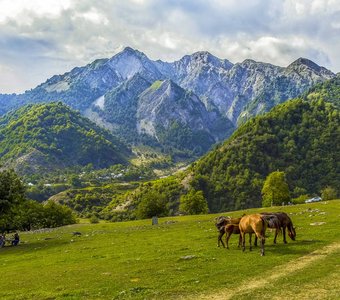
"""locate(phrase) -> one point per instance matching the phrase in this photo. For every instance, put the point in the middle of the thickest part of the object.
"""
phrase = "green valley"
(177, 259)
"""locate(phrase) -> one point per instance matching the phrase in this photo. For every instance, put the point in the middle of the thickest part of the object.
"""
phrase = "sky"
(42, 38)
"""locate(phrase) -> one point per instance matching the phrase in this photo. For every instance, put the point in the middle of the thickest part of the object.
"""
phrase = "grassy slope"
(134, 260)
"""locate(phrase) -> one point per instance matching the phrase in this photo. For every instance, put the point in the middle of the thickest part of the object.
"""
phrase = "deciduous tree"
(275, 189)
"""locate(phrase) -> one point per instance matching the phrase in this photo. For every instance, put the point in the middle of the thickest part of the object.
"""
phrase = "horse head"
(291, 233)
(221, 221)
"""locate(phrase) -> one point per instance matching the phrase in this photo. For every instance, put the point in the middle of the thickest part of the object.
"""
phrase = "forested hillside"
(44, 137)
(300, 138)
(328, 91)
(297, 137)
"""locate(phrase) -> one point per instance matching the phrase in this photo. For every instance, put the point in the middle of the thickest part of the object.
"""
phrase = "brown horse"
(253, 224)
(230, 229)
(225, 226)
(284, 222)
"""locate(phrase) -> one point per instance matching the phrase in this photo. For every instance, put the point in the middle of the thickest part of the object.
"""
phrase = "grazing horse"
(253, 224)
(225, 226)
(272, 222)
(284, 222)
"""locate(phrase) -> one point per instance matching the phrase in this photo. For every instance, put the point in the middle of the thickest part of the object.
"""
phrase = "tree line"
(19, 213)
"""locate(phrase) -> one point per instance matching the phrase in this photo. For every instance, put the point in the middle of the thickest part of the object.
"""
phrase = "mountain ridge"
(234, 92)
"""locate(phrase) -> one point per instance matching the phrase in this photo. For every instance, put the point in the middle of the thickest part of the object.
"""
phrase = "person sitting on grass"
(16, 239)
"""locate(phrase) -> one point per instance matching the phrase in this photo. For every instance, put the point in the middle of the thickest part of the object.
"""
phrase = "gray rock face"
(166, 102)
(200, 91)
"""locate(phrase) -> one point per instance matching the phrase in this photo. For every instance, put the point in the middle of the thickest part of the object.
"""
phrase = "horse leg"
(255, 241)
(262, 246)
(284, 234)
(243, 237)
(239, 241)
(250, 248)
(219, 239)
(276, 233)
(227, 237)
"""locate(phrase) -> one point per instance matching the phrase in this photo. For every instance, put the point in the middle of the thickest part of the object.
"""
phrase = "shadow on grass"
(296, 247)
(26, 247)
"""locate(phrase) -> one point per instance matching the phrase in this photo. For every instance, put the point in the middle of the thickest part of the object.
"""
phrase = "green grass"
(156, 85)
(178, 258)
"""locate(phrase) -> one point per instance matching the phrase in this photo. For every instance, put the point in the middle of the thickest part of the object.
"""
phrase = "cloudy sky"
(40, 38)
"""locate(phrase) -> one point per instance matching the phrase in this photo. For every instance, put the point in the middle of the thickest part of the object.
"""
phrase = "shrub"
(300, 200)
(328, 193)
(94, 219)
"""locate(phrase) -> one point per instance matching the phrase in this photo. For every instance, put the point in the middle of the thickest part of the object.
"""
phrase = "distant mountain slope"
(177, 118)
(45, 137)
(107, 89)
(291, 82)
(298, 137)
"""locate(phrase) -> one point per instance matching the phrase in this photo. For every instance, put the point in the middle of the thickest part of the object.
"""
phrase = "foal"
(226, 226)
(230, 229)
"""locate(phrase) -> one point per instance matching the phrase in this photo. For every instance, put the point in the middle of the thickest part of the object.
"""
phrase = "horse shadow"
(291, 247)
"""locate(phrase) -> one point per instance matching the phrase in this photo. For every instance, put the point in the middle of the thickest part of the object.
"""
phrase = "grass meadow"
(177, 259)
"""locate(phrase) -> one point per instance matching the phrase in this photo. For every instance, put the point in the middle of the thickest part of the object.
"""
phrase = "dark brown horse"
(220, 223)
(284, 223)
(273, 222)
(255, 223)
(225, 225)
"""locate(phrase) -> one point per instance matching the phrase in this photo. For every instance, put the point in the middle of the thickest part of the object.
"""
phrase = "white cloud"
(12, 9)
(93, 16)
(48, 37)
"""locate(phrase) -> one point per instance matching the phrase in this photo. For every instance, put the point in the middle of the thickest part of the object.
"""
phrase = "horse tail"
(264, 226)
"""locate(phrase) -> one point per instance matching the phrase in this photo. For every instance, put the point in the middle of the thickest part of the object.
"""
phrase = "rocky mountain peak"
(303, 64)
(128, 51)
(306, 62)
(203, 59)
(307, 68)
(129, 62)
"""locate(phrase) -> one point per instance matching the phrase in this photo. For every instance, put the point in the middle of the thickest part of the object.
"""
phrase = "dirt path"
(275, 273)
